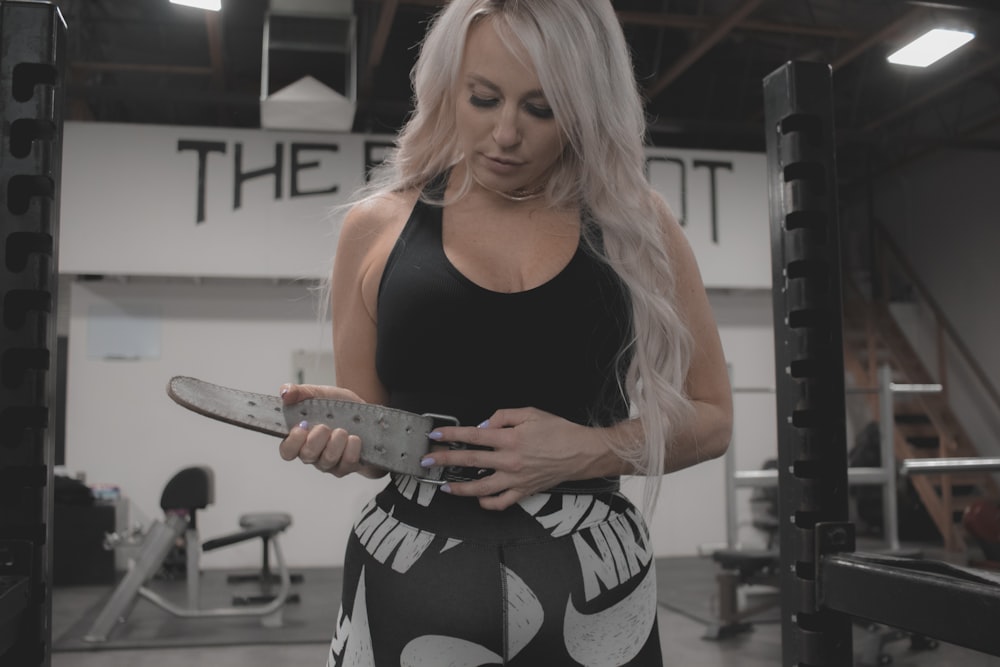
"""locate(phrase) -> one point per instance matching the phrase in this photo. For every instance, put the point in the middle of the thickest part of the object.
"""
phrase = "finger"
(507, 418)
(290, 447)
(317, 440)
(293, 393)
(494, 438)
(330, 454)
(490, 485)
(470, 458)
(502, 500)
(350, 455)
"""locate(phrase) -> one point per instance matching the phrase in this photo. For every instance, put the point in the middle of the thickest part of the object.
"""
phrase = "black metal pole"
(809, 363)
(32, 35)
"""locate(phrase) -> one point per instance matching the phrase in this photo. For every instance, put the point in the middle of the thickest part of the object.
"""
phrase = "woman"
(510, 266)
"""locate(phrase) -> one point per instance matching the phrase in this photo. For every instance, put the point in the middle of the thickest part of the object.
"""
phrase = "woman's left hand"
(532, 451)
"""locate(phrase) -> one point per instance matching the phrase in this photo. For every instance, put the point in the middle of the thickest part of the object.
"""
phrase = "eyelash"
(543, 113)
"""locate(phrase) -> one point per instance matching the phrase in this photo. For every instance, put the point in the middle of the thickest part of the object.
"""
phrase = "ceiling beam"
(960, 78)
(215, 59)
(964, 140)
(386, 16)
(715, 35)
(702, 23)
(979, 5)
(173, 95)
(213, 32)
(878, 36)
(91, 66)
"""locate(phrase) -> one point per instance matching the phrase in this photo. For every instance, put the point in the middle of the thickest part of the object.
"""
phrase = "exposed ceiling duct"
(309, 66)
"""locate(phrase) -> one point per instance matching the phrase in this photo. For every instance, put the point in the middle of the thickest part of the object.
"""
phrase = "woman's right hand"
(331, 450)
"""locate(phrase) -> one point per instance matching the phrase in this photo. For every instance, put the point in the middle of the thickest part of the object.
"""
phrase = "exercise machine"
(188, 491)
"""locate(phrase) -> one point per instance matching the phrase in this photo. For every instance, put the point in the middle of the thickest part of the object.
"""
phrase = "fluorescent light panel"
(930, 47)
(211, 5)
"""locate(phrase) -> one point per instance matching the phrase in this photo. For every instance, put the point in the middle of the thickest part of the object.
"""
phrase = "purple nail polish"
(434, 435)
(426, 462)
(446, 488)
(484, 424)
(304, 424)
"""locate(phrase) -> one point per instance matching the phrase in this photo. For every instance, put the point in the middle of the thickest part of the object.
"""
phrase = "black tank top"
(448, 346)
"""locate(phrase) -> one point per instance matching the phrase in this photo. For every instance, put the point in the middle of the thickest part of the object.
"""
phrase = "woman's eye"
(482, 102)
(539, 111)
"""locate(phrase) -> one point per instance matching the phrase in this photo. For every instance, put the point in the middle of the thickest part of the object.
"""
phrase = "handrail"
(954, 464)
(911, 275)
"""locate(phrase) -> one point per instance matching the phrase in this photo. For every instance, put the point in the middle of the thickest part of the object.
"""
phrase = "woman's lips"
(501, 165)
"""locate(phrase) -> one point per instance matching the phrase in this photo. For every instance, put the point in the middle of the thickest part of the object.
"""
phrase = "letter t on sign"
(203, 148)
(712, 166)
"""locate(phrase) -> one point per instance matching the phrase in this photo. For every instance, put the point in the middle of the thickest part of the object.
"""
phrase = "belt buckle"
(438, 420)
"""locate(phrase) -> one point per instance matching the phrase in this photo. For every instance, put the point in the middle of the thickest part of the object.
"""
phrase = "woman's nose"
(506, 131)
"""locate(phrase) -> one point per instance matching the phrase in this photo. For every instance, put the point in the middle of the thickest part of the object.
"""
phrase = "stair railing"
(889, 258)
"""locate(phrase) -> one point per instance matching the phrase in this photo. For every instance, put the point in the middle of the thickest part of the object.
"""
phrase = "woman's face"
(505, 126)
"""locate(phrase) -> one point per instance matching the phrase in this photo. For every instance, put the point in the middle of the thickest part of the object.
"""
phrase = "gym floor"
(681, 636)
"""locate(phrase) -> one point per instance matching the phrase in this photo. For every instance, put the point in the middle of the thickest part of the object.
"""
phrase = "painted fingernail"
(304, 424)
(446, 488)
(484, 424)
(426, 462)
(434, 435)
(285, 388)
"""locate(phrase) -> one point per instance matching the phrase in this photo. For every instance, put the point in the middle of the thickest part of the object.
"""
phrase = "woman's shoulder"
(378, 215)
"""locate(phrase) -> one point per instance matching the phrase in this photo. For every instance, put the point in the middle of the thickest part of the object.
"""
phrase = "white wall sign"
(210, 202)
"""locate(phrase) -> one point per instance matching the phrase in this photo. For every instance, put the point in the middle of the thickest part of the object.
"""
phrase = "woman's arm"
(366, 238)
(707, 383)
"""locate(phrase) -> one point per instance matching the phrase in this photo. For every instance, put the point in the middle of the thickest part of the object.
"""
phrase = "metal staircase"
(925, 425)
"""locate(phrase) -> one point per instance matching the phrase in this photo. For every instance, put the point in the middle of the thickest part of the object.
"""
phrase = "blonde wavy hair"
(580, 54)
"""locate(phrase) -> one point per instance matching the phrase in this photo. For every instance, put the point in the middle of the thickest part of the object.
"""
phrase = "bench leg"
(155, 547)
(728, 618)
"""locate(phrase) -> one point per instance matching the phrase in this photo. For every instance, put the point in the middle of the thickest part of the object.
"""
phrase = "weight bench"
(741, 567)
(188, 491)
(273, 523)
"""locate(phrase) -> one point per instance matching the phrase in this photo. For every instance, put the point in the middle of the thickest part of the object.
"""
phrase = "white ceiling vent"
(309, 68)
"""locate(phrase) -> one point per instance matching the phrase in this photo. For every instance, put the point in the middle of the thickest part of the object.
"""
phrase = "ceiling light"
(930, 47)
(211, 5)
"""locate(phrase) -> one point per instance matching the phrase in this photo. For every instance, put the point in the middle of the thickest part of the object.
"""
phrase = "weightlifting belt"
(391, 439)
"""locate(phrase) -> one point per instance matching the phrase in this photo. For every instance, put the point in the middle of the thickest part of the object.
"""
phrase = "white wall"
(123, 429)
(204, 291)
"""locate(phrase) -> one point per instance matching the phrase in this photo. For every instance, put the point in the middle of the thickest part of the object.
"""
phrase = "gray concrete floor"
(681, 638)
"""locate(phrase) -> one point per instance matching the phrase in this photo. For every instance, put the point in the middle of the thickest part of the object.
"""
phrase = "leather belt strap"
(392, 439)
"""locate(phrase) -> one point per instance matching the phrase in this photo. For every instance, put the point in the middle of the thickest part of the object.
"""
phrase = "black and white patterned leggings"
(559, 579)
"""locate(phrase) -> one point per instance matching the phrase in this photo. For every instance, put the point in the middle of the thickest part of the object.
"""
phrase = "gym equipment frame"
(823, 581)
(188, 491)
(884, 475)
(33, 35)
